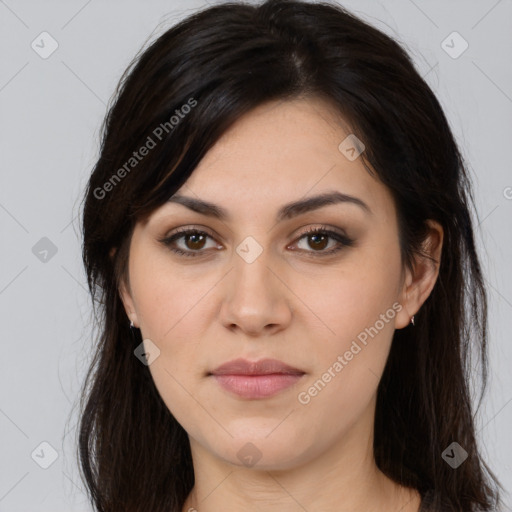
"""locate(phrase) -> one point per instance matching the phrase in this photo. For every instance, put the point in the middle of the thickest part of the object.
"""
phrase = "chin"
(262, 452)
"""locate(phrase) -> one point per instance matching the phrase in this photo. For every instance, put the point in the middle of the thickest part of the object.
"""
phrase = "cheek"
(170, 310)
(346, 300)
(349, 364)
(355, 310)
(169, 299)
(169, 307)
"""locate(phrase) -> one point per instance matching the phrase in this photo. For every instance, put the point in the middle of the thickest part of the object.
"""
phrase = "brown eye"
(318, 240)
(193, 242)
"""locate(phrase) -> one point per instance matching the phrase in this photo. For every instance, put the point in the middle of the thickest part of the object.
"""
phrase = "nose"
(256, 298)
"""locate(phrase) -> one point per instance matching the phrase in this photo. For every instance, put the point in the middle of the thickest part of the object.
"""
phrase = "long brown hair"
(176, 99)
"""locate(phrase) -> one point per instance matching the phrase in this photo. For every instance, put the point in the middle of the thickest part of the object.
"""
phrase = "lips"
(256, 380)
(262, 367)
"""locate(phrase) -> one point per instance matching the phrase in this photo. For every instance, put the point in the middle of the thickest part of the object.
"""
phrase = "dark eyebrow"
(288, 211)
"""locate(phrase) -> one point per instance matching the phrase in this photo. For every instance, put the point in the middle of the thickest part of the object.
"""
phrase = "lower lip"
(256, 386)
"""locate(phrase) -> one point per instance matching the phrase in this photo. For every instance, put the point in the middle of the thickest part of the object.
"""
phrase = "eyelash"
(343, 240)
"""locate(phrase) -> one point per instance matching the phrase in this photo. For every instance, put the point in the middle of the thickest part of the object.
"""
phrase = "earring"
(133, 332)
(412, 320)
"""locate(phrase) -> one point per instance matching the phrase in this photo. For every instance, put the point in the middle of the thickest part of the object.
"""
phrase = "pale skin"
(292, 303)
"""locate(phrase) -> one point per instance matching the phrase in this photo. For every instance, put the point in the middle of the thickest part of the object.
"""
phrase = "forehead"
(279, 152)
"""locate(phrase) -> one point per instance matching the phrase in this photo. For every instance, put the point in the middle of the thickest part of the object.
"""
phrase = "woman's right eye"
(193, 238)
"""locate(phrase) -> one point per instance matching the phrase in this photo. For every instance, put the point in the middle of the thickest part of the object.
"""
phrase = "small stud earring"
(412, 320)
(133, 332)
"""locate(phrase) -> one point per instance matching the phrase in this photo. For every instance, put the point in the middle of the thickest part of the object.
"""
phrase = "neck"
(343, 477)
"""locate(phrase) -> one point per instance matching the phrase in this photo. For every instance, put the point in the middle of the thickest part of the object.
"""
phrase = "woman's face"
(255, 285)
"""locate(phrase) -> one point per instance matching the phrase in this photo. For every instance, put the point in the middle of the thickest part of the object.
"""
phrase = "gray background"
(51, 110)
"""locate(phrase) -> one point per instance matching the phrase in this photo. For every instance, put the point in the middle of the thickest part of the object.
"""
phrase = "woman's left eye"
(317, 238)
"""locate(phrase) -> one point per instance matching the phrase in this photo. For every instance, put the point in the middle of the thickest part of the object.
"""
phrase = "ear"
(419, 283)
(125, 294)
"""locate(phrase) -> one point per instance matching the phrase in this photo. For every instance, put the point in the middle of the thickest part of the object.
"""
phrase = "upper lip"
(261, 367)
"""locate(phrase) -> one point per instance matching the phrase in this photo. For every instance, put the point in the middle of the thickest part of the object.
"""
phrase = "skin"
(291, 303)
